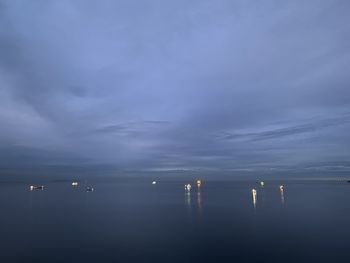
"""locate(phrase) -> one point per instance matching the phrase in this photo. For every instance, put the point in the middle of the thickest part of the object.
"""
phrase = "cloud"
(288, 131)
(131, 127)
(177, 84)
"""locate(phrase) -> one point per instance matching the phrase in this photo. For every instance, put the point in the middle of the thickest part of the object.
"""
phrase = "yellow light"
(199, 182)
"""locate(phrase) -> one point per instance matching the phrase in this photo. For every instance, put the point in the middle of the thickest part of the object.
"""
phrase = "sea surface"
(132, 220)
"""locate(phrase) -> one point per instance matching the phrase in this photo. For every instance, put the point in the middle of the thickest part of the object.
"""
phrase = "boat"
(89, 189)
(36, 187)
(188, 187)
(74, 183)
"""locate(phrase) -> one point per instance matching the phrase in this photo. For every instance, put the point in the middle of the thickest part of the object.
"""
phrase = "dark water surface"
(135, 221)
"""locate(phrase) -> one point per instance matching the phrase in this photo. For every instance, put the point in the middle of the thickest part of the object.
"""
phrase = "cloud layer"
(176, 84)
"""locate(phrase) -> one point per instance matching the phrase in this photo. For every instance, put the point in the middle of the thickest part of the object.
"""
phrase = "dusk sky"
(221, 84)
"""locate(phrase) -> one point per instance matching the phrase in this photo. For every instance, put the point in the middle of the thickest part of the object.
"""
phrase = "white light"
(154, 182)
(188, 187)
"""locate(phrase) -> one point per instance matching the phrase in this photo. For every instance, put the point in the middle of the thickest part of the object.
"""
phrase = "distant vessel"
(36, 187)
(89, 189)
(74, 183)
(199, 183)
(154, 182)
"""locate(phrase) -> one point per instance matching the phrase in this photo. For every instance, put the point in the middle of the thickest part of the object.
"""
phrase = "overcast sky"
(159, 84)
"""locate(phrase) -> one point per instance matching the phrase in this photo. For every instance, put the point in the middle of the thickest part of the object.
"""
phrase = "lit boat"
(154, 182)
(89, 189)
(74, 183)
(199, 183)
(36, 187)
(188, 187)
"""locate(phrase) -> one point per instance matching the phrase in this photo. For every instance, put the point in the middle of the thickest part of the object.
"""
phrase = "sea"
(136, 220)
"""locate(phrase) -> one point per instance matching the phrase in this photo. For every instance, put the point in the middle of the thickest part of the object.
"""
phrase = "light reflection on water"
(282, 194)
(199, 204)
(188, 203)
(254, 194)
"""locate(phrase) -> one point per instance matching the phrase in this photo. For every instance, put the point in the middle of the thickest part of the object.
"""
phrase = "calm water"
(135, 221)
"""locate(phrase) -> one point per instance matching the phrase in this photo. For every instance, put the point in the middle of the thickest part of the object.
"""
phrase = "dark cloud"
(176, 84)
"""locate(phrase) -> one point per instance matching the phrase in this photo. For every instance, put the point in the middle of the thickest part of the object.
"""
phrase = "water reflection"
(254, 197)
(188, 203)
(199, 199)
(199, 203)
(188, 199)
(282, 194)
(188, 196)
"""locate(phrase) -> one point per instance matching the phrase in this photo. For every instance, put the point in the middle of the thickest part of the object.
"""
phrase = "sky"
(162, 85)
